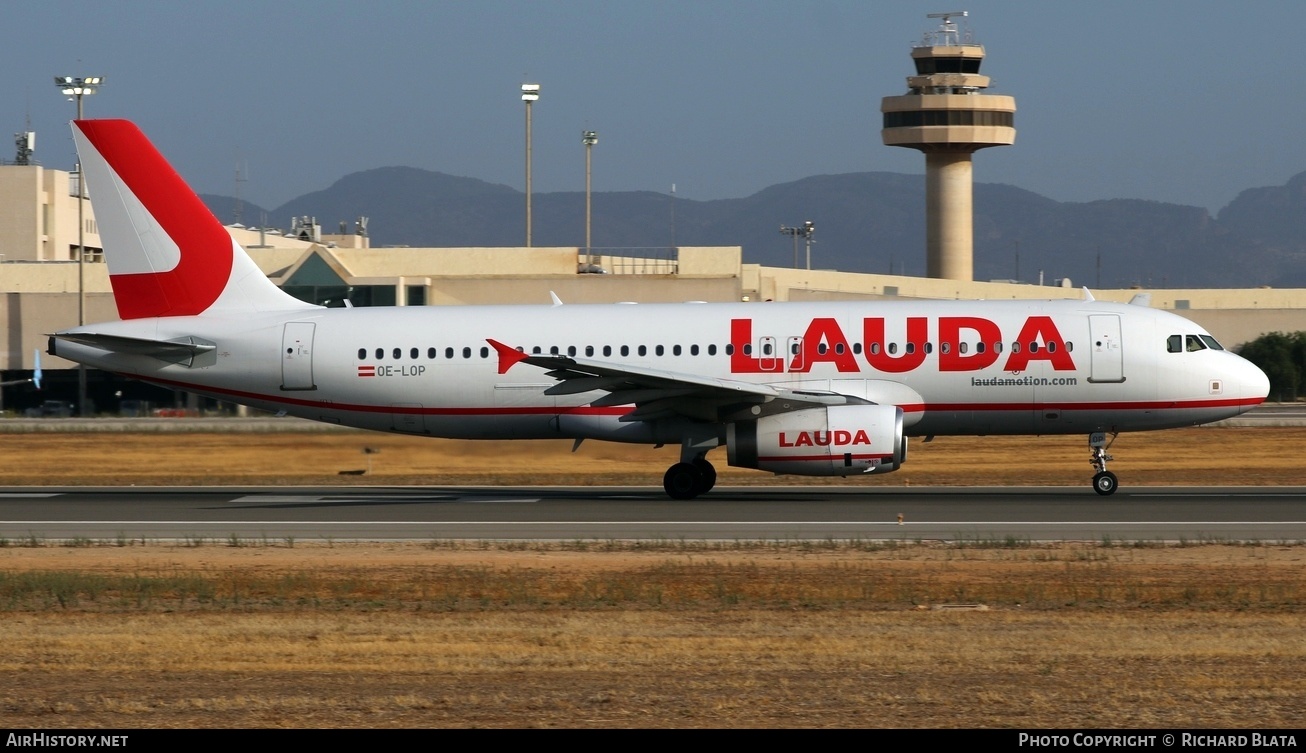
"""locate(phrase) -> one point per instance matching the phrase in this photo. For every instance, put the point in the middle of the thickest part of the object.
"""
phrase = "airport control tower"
(945, 115)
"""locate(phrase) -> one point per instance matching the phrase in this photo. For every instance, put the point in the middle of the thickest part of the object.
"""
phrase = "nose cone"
(1253, 384)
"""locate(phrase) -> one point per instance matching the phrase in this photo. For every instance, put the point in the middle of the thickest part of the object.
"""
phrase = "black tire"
(706, 475)
(1105, 483)
(682, 481)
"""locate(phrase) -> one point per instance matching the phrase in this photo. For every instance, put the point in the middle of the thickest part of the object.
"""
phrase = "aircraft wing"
(657, 393)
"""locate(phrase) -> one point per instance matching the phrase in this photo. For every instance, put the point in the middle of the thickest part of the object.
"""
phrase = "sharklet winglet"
(508, 355)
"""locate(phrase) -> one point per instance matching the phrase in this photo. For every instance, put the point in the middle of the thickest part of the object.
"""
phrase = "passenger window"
(380, 353)
(485, 352)
(1052, 347)
(893, 348)
(961, 348)
(997, 347)
(589, 350)
(625, 350)
(730, 349)
(398, 354)
(643, 350)
(821, 348)
(553, 350)
(929, 348)
(535, 350)
(448, 352)
(857, 348)
(748, 349)
(838, 348)
(607, 350)
(1070, 347)
(362, 354)
(413, 354)
(693, 350)
(430, 353)
(658, 350)
(793, 349)
(979, 347)
(766, 349)
(1033, 347)
(945, 347)
(467, 352)
(1015, 347)
(571, 350)
(875, 349)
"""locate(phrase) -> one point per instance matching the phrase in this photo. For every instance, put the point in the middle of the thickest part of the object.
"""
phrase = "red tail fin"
(167, 254)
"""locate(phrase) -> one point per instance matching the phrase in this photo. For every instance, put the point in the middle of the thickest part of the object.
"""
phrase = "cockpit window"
(1174, 344)
(1211, 343)
(1194, 343)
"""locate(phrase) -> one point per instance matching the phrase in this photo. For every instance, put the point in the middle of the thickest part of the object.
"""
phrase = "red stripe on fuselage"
(206, 256)
(621, 410)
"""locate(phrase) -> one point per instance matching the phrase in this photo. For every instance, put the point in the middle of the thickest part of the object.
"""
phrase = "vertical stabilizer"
(167, 254)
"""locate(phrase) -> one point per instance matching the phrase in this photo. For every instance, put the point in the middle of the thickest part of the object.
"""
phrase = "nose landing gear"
(1104, 481)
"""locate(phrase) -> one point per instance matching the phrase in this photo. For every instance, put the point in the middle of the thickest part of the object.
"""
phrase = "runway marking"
(401, 498)
(650, 523)
(1210, 494)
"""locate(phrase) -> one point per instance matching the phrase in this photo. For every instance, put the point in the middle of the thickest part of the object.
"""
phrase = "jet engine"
(835, 440)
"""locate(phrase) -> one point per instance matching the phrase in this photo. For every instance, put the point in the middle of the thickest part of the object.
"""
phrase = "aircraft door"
(1107, 360)
(297, 356)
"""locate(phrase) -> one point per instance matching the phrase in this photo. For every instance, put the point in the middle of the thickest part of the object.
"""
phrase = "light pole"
(793, 232)
(589, 139)
(806, 231)
(77, 87)
(529, 94)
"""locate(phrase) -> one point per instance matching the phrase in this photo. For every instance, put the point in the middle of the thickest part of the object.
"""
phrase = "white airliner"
(819, 389)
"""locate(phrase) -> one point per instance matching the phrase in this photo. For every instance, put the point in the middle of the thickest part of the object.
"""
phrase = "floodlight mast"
(530, 93)
(589, 139)
(75, 88)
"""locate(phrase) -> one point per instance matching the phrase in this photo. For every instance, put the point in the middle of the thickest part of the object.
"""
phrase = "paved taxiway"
(599, 513)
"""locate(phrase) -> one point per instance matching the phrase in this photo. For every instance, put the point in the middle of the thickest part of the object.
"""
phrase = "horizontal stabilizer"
(180, 350)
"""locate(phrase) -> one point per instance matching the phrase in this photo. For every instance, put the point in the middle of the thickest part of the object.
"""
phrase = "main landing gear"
(688, 480)
(1104, 481)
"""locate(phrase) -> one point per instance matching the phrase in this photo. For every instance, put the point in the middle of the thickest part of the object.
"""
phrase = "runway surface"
(1267, 514)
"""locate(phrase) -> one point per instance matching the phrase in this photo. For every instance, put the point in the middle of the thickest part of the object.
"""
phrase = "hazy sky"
(1173, 101)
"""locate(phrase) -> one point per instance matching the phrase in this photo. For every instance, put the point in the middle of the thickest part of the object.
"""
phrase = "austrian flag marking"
(367, 371)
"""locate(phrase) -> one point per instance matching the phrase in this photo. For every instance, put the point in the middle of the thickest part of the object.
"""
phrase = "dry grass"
(1183, 456)
(613, 634)
(450, 634)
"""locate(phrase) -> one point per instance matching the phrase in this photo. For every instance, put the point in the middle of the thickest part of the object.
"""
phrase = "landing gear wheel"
(683, 481)
(1105, 483)
(706, 475)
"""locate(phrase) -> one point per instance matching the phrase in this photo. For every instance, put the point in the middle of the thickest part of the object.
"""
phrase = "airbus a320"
(817, 389)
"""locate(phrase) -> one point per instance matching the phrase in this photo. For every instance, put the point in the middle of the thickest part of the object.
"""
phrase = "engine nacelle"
(837, 440)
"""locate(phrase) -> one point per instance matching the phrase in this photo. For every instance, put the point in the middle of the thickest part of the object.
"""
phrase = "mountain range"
(865, 222)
